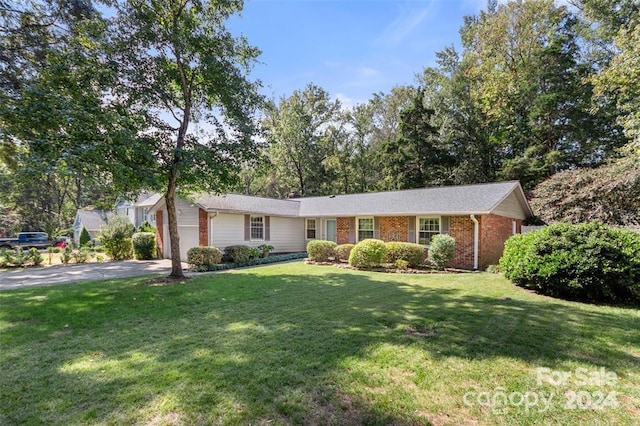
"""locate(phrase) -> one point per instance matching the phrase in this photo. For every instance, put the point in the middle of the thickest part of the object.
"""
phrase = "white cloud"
(403, 25)
(368, 72)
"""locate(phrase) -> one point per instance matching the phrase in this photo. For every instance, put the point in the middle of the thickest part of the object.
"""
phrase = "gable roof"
(148, 201)
(248, 204)
(504, 198)
(92, 219)
(444, 200)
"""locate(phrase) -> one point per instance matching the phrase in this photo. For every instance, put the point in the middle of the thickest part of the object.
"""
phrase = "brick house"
(480, 217)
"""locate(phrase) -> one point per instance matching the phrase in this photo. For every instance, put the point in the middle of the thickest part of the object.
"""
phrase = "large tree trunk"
(174, 238)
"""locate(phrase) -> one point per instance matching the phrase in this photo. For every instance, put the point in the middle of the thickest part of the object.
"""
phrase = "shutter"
(247, 227)
(267, 228)
(444, 225)
(376, 227)
(352, 230)
(412, 229)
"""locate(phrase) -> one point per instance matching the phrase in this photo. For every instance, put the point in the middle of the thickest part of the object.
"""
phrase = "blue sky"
(351, 48)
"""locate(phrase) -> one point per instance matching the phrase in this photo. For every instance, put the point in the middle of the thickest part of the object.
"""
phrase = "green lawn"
(301, 344)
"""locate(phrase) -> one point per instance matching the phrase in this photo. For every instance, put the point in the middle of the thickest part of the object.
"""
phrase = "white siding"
(187, 228)
(286, 234)
(510, 207)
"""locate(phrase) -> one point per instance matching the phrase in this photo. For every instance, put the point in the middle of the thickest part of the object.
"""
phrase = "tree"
(178, 64)
(85, 238)
(298, 130)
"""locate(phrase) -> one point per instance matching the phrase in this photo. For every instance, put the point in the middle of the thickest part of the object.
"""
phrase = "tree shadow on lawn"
(250, 348)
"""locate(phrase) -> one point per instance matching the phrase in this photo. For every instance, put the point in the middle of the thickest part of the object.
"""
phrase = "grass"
(302, 344)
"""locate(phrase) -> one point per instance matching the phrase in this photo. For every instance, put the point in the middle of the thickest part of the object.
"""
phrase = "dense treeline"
(544, 93)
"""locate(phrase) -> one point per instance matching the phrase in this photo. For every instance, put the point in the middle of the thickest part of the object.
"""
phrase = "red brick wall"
(160, 232)
(203, 228)
(461, 228)
(394, 228)
(494, 231)
(342, 230)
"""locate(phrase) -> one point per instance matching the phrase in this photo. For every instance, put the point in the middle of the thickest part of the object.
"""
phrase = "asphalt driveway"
(65, 274)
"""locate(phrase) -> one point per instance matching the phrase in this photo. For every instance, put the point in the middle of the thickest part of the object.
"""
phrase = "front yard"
(302, 344)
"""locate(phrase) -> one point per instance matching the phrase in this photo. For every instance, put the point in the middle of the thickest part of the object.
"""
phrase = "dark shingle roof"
(446, 200)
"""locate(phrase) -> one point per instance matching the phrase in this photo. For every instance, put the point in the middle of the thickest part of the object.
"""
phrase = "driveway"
(65, 274)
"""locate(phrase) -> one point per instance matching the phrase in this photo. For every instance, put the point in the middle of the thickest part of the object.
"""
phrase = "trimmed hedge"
(144, 245)
(321, 250)
(442, 250)
(368, 253)
(239, 253)
(588, 262)
(256, 261)
(411, 253)
(202, 258)
(343, 251)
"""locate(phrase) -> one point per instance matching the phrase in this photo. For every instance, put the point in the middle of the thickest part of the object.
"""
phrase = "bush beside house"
(116, 238)
(144, 245)
(588, 262)
(321, 251)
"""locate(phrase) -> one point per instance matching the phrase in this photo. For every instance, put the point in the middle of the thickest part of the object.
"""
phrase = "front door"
(331, 230)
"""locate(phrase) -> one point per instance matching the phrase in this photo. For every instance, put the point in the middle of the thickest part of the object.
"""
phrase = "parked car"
(63, 242)
(26, 240)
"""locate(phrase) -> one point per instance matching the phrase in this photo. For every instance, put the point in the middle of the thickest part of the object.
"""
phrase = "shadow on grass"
(250, 347)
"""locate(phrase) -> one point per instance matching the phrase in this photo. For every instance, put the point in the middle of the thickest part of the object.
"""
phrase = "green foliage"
(368, 253)
(85, 238)
(82, 255)
(265, 249)
(321, 250)
(116, 238)
(342, 252)
(237, 253)
(203, 258)
(589, 262)
(442, 250)
(411, 253)
(35, 256)
(67, 254)
(20, 257)
(146, 227)
(144, 245)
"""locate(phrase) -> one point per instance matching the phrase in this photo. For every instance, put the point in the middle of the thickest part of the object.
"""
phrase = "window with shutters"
(427, 228)
(311, 229)
(257, 227)
(365, 228)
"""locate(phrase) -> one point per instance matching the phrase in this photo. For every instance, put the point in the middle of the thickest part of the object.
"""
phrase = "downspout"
(476, 243)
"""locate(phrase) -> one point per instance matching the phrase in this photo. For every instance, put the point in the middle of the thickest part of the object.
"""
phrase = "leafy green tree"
(115, 237)
(85, 238)
(300, 144)
(178, 64)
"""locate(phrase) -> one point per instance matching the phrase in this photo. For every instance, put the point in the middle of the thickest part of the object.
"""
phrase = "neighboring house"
(138, 211)
(90, 219)
(480, 218)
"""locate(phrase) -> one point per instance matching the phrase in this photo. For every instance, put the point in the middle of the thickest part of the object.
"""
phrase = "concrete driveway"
(65, 274)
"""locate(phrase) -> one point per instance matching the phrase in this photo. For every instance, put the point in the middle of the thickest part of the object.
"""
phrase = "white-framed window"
(257, 227)
(311, 229)
(427, 228)
(365, 228)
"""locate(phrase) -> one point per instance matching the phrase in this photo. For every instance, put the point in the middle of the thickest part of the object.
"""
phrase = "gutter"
(476, 242)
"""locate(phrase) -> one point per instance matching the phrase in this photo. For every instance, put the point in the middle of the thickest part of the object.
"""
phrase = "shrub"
(144, 245)
(35, 256)
(343, 251)
(5, 257)
(85, 238)
(201, 258)
(321, 250)
(20, 257)
(411, 253)
(368, 253)
(265, 249)
(81, 256)
(146, 227)
(442, 250)
(65, 258)
(235, 254)
(116, 238)
(588, 262)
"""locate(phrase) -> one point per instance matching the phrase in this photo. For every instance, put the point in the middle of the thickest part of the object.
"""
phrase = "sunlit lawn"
(302, 344)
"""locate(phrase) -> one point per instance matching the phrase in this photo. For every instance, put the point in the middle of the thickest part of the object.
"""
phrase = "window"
(427, 228)
(311, 229)
(365, 228)
(257, 227)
